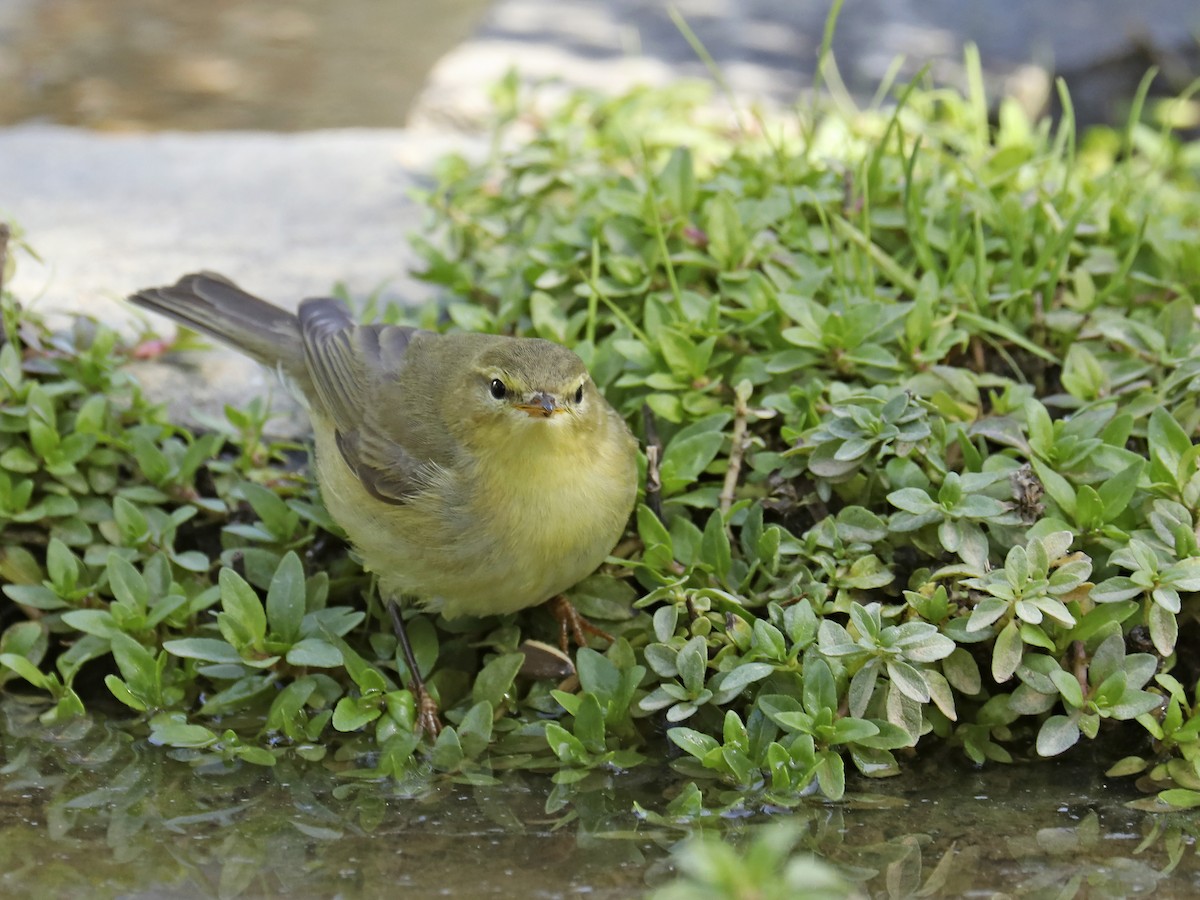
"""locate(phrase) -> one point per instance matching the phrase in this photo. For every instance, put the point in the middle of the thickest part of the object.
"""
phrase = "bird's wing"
(346, 363)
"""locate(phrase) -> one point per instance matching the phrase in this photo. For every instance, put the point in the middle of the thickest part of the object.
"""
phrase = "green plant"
(765, 868)
(906, 385)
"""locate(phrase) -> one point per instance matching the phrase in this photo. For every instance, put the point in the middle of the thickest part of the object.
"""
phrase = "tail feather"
(213, 305)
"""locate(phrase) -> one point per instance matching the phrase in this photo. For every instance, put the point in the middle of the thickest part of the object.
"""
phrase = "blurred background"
(280, 141)
(266, 64)
(291, 65)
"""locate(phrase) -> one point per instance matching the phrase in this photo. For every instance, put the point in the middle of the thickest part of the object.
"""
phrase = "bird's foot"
(428, 720)
(572, 624)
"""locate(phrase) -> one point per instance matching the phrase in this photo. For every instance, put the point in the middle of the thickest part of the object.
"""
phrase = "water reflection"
(86, 808)
(123, 64)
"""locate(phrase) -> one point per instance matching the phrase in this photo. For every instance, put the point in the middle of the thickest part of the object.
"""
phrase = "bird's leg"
(572, 624)
(427, 709)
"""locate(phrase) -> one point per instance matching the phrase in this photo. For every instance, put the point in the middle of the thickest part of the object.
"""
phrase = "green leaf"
(589, 724)
(684, 459)
(244, 621)
(34, 596)
(127, 583)
(988, 611)
(260, 756)
(694, 743)
(1116, 589)
(139, 668)
(286, 602)
(1180, 798)
(654, 536)
(912, 500)
(475, 729)
(314, 652)
(352, 713)
(684, 356)
(496, 678)
(207, 649)
(92, 621)
(27, 670)
(568, 748)
(848, 730)
(1117, 492)
(908, 680)
(121, 691)
(598, 674)
(1007, 652)
(1068, 686)
(1089, 508)
(61, 565)
(547, 317)
(962, 672)
(1183, 575)
(743, 676)
(1056, 486)
(151, 460)
(714, 546)
(820, 692)
(691, 663)
(929, 647)
(862, 688)
(1164, 628)
(662, 660)
(175, 733)
(831, 775)
(447, 754)
(1057, 734)
(677, 182)
(1169, 443)
(726, 237)
(276, 516)
(1108, 659)
(1129, 765)
(131, 523)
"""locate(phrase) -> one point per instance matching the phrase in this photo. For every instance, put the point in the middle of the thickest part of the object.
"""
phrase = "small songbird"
(475, 473)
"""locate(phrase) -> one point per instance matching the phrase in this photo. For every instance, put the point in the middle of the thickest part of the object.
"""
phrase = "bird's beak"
(541, 405)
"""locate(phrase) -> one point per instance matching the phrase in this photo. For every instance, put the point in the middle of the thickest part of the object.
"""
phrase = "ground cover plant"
(917, 395)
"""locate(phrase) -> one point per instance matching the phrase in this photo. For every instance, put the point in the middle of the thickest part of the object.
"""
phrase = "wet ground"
(150, 64)
(86, 808)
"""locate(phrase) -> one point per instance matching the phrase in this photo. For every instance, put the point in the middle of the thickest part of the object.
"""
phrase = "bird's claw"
(573, 625)
(428, 721)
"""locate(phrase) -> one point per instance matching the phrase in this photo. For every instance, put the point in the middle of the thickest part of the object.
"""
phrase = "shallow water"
(138, 64)
(85, 808)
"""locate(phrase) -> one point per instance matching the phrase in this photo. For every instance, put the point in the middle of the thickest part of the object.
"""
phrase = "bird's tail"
(215, 306)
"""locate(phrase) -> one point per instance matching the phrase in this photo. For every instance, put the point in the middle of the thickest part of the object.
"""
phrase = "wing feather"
(347, 364)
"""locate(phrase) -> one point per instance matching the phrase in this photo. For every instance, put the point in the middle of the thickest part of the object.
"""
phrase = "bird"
(474, 474)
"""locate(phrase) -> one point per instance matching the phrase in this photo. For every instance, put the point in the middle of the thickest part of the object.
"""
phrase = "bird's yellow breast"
(524, 520)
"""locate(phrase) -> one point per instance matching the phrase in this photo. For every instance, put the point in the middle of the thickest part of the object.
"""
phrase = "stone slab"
(287, 216)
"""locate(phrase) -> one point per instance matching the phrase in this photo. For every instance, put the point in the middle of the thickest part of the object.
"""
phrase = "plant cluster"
(918, 400)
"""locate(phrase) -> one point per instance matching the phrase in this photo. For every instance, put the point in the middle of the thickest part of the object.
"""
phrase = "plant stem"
(736, 454)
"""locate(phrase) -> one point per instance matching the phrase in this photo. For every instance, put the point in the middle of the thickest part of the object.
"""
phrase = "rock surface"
(287, 216)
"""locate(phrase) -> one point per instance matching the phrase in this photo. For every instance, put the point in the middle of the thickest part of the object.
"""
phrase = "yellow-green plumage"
(473, 503)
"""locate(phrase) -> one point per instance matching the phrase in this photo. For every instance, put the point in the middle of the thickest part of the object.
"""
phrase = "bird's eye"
(498, 389)
(579, 394)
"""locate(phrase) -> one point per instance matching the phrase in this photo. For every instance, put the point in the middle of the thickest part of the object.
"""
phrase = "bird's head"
(527, 382)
